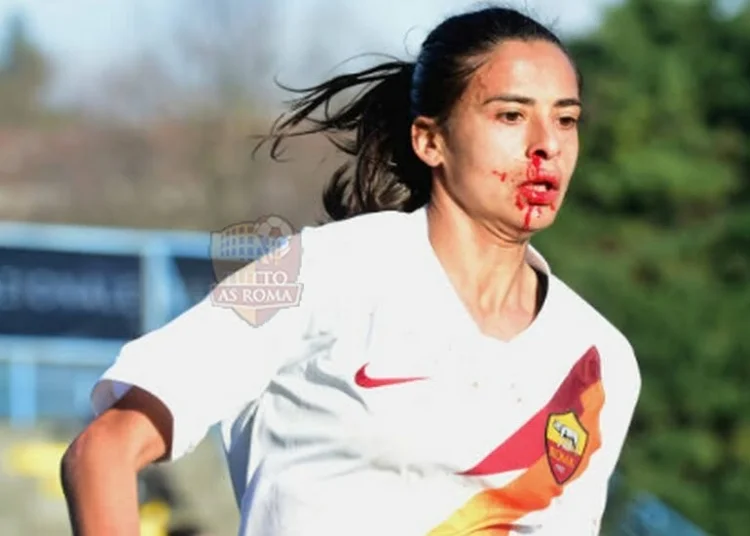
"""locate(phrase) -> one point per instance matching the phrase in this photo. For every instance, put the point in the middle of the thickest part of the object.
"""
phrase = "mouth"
(542, 183)
(541, 190)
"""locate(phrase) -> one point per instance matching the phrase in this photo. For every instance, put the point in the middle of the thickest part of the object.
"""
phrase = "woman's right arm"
(100, 468)
(166, 390)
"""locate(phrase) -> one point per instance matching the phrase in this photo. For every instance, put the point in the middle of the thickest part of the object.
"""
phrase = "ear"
(426, 141)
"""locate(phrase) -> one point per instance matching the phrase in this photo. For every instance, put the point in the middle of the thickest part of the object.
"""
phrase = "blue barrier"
(70, 296)
(647, 516)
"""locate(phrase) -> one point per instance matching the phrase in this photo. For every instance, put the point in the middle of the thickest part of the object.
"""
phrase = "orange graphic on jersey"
(570, 439)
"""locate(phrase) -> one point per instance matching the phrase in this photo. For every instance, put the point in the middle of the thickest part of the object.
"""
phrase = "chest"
(406, 396)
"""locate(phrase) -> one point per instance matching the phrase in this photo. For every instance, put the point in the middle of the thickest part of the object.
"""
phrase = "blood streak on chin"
(520, 205)
(527, 219)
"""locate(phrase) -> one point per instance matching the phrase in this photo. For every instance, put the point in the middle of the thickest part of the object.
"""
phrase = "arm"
(100, 467)
(161, 396)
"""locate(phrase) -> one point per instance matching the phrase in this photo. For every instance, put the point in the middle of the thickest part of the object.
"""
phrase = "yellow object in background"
(155, 516)
(39, 460)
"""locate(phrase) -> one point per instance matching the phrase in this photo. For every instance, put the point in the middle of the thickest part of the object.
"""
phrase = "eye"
(568, 121)
(510, 117)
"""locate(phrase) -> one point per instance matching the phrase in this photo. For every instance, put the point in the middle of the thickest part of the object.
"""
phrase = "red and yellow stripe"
(496, 511)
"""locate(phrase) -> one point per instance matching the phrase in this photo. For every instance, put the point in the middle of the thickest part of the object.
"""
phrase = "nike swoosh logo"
(363, 380)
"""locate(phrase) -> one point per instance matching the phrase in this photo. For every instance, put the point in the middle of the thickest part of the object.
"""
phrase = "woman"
(435, 377)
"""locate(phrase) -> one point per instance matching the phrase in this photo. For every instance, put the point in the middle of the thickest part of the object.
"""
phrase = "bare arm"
(99, 470)
(207, 349)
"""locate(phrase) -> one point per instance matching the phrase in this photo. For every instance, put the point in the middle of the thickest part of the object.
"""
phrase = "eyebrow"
(528, 101)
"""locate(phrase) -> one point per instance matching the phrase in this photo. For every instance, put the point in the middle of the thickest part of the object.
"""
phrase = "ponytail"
(375, 129)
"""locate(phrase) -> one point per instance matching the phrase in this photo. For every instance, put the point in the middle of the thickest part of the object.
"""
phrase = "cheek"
(571, 151)
(472, 156)
(497, 155)
(568, 159)
(481, 153)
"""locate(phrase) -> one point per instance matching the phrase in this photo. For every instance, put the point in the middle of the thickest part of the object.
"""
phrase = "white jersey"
(376, 405)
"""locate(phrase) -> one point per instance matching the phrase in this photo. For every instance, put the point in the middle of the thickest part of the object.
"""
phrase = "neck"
(488, 270)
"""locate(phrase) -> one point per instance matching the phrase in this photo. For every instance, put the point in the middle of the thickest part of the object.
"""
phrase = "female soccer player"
(435, 377)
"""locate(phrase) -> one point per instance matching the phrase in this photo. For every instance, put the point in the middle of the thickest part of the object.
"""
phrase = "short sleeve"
(211, 360)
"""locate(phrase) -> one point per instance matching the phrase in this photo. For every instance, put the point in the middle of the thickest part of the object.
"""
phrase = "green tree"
(656, 233)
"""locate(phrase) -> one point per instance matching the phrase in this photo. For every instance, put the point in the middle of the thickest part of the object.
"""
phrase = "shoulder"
(358, 245)
(348, 266)
(619, 362)
(361, 233)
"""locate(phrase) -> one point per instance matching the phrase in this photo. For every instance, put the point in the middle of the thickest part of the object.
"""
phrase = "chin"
(537, 218)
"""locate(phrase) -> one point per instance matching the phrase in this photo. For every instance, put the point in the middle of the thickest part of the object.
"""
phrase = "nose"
(543, 142)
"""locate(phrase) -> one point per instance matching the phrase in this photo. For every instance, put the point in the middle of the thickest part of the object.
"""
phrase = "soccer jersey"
(376, 405)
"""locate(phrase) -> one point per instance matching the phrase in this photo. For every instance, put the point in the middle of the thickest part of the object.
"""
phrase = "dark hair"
(386, 173)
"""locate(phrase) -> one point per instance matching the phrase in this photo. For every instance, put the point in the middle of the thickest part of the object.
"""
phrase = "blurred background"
(125, 141)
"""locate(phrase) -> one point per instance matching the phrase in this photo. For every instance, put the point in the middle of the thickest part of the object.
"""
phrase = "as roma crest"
(256, 265)
(565, 440)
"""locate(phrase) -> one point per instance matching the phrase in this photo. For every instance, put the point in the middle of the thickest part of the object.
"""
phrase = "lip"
(546, 196)
(544, 177)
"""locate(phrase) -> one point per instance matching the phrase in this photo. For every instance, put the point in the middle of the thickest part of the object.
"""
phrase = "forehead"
(535, 69)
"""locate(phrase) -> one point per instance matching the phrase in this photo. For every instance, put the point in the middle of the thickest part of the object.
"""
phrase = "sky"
(85, 37)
